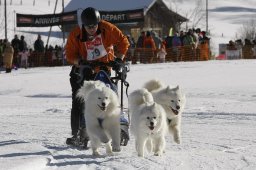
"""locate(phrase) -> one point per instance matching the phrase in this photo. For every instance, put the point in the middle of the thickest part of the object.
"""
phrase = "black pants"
(77, 116)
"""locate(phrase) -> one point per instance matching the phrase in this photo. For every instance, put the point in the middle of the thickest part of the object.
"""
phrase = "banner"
(123, 16)
(26, 20)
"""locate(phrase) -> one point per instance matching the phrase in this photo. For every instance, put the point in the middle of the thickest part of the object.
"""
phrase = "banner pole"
(50, 31)
(5, 19)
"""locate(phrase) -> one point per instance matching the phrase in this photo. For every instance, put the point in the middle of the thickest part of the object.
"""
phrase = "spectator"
(176, 43)
(231, 45)
(156, 39)
(22, 44)
(247, 42)
(1, 52)
(140, 40)
(8, 56)
(168, 41)
(195, 38)
(39, 50)
(205, 39)
(39, 44)
(131, 47)
(182, 35)
(24, 58)
(15, 44)
(161, 55)
(150, 45)
(139, 46)
(188, 39)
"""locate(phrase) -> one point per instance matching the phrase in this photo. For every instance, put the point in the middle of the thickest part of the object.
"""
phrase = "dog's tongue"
(176, 112)
(151, 127)
(102, 108)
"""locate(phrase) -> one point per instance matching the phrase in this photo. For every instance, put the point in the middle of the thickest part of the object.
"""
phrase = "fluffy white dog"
(173, 101)
(102, 116)
(148, 123)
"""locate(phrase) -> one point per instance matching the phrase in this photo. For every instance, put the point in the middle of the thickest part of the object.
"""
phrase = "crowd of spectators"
(24, 57)
(240, 49)
(156, 47)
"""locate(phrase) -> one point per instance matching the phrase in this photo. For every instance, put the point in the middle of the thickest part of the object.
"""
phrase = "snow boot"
(74, 141)
(84, 138)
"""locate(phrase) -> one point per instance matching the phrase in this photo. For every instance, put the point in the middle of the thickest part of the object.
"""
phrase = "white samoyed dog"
(102, 116)
(148, 123)
(173, 101)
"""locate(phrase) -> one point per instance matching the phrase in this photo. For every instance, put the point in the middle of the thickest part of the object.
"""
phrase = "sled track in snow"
(220, 115)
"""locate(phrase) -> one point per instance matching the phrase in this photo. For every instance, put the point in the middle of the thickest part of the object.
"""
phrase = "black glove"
(117, 64)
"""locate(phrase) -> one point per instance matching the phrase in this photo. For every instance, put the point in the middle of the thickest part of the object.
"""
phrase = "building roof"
(109, 5)
(122, 5)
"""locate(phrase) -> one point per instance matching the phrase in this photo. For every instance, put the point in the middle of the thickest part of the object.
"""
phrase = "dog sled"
(113, 82)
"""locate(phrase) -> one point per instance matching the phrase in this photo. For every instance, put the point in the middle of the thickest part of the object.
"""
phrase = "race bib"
(95, 48)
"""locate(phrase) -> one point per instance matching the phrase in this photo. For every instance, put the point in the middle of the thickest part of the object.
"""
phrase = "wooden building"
(156, 16)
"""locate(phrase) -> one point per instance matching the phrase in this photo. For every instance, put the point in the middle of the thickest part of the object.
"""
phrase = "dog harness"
(100, 120)
(169, 121)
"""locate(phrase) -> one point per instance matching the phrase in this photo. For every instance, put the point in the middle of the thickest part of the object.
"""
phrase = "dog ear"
(154, 104)
(167, 89)
(177, 87)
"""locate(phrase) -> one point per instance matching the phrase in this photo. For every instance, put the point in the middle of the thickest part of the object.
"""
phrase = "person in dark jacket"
(39, 44)
(15, 44)
(22, 44)
(139, 45)
(39, 50)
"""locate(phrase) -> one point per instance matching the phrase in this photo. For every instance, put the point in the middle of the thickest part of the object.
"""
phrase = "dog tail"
(138, 97)
(153, 84)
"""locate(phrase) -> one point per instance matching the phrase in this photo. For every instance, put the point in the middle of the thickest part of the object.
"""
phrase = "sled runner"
(111, 82)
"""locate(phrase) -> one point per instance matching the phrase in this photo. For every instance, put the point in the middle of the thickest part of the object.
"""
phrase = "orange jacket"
(111, 36)
(149, 43)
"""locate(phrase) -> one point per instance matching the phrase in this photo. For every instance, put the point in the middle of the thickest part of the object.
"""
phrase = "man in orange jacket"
(92, 42)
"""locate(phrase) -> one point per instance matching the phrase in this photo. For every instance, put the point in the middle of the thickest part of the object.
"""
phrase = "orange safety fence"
(174, 54)
(137, 55)
(48, 58)
(248, 52)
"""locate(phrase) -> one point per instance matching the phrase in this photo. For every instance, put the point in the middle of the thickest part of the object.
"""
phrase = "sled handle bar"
(121, 74)
(94, 64)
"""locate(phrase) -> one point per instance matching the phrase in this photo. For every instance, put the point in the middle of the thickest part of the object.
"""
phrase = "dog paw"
(116, 149)
(159, 153)
(95, 153)
(141, 155)
(104, 140)
(177, 140)
(110, 153)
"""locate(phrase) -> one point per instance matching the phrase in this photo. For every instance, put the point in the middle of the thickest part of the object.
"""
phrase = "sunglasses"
(91, 26)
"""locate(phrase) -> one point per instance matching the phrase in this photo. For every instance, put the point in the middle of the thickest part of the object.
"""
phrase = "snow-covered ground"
(218, 124)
